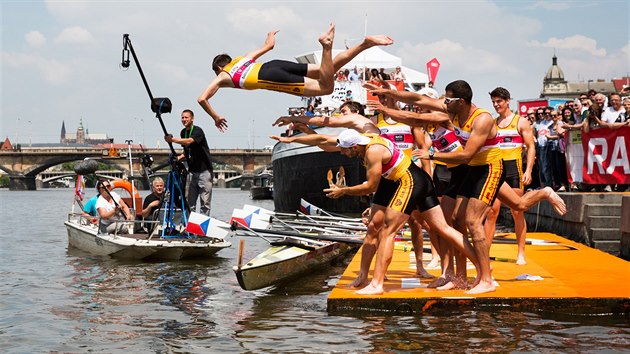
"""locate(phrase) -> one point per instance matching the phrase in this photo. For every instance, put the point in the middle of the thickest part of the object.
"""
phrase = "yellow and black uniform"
(400, 134)
(413, 187)
(511, 144)
(276, 75)
(447, 177)
(485, 170)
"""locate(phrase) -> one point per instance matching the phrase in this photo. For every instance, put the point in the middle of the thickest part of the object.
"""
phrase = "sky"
(60, 59)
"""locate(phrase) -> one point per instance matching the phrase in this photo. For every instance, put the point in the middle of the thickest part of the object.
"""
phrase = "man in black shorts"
(281, 75)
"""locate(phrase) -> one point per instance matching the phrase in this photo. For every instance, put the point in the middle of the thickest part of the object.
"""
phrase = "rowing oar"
(533, 242)
(279, 233)
(496, 259)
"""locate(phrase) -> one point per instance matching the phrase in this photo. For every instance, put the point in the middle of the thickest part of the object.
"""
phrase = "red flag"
(433, 66)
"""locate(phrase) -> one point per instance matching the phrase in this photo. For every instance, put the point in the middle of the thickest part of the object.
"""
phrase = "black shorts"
(514, 173)
(283, 71)
(483, 182)
(413, 191)
(441, 178)
(458, 175)
(385, 192)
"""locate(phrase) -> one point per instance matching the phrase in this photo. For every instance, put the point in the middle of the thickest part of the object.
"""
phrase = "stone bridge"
(23, 165)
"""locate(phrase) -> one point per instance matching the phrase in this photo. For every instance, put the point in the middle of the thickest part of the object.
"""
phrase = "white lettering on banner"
(619, 156)
(599, 159)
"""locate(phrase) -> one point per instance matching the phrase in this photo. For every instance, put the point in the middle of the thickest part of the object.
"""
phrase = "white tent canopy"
(374, 57)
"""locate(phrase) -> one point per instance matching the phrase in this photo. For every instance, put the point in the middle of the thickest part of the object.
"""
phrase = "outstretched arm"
(408, 97)
(270, 42)
(410, 118)
(325, 142)
(215, 85)
(351, 121)
(373, 174)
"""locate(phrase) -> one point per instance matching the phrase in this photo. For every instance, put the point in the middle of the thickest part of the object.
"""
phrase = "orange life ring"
(126, 185)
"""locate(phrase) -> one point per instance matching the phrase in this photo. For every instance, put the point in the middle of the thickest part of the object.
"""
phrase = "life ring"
(126, 185)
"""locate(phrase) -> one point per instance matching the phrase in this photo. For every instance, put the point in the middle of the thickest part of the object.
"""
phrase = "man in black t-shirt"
(197, 155)
(153, 202)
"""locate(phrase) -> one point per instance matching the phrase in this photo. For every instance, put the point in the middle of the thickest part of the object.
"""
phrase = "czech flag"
(79, 189)
(249, 219)
(308, 208)
(203, 225)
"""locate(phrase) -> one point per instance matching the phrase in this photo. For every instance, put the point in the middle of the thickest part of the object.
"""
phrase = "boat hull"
(284, 262)
(261, 192)
(300, 172)
(86, 238)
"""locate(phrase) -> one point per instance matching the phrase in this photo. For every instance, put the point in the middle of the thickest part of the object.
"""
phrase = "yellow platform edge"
(577, 279)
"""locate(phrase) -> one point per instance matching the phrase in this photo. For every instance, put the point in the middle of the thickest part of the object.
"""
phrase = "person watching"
(153, 202)
(111, 208)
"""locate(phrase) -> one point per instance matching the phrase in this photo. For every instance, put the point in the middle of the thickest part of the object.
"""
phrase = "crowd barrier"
(599, 156)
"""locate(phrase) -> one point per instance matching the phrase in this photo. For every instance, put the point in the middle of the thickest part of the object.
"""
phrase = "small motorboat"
(262, 186)
(83, 233)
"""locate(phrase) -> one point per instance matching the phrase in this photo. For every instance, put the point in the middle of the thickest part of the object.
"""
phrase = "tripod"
(174, 198)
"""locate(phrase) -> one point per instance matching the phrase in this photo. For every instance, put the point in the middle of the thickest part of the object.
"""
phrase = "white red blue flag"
(249, 219)
(203, 225)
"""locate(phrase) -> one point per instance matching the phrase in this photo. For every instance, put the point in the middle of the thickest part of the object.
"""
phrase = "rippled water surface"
(55, 299)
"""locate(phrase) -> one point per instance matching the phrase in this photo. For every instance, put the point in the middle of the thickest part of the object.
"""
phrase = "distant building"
(82, 136)
(555, 86)
(6, 145)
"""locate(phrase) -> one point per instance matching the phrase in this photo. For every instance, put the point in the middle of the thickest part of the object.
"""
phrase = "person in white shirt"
(108, 206)
(614, 116)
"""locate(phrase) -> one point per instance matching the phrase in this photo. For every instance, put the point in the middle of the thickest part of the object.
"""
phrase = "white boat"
(287, 259)
(83, 234)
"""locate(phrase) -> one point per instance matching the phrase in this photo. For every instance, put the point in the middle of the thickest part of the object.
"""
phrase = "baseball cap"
(350, 137)
(429, 92)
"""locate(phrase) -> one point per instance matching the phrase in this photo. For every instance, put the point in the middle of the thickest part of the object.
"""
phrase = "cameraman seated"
(109, 212)
(152, 203)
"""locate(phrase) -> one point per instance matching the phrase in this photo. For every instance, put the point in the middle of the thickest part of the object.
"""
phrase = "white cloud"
(75, 9)
(453, 56)
(577, 42)
(250, 20)
(53, 71)
(76, 35)
(552, 5)
(35, 39)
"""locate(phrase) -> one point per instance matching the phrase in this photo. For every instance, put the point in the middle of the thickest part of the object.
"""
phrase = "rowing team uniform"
(511, 144)
(413, 188)
(447, 177)
(485, 170)
(276, 75)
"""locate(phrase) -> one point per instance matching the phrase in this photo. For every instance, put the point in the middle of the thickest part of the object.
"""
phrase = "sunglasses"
(448, 100)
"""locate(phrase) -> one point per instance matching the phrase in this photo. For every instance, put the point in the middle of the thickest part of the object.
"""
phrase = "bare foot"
(454, 284)
(558, 204)
(482, 287)
(327, 38)
(359, 282)
(370, 290)
(520, 260)
(435, 263)
(423, 273)
(372, 41)
(440, 281)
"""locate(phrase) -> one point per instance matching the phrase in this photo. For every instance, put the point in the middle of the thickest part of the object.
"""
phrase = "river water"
(56, 299)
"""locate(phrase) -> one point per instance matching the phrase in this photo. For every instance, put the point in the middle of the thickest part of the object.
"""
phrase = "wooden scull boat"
(287, 259)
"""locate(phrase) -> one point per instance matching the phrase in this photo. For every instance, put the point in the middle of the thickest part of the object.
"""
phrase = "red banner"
(606, 156)
(433, 66)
